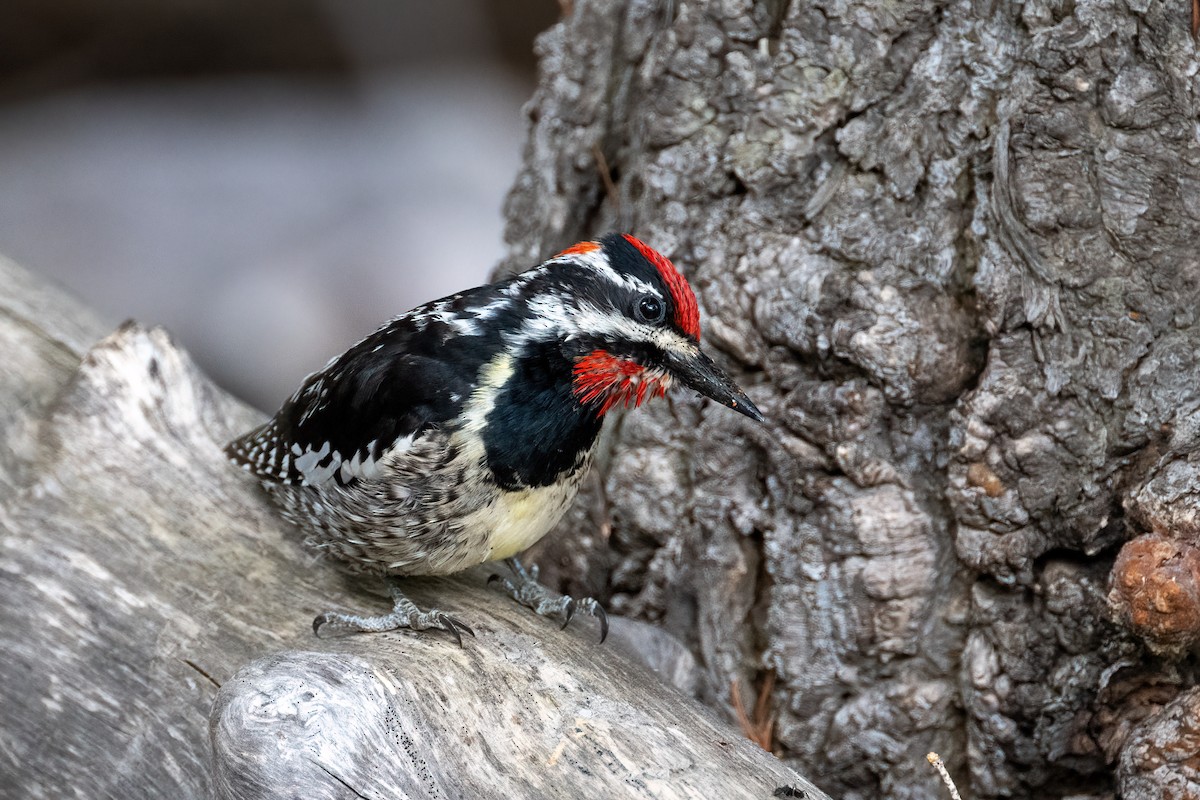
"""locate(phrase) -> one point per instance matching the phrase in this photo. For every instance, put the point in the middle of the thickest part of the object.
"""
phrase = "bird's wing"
(385, 392)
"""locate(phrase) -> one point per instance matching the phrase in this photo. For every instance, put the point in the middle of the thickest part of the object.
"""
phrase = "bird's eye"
(650, 309)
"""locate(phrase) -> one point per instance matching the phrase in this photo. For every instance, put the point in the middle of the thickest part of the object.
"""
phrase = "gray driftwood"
(155, 618)
(953, 249)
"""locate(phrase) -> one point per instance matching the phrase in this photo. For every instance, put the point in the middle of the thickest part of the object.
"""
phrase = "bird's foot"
(405, 614)
(525, 589)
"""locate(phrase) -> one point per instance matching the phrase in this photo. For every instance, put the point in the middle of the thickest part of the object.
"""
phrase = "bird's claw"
(601, 615)
(528, 592)
(454, 626)
(404, 614)
(593, 608)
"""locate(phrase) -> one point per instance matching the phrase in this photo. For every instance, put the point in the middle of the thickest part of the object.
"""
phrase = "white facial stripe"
(597, 262)
(554, 316)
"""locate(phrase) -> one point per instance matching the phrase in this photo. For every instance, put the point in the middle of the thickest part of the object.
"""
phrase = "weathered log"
(152, 602)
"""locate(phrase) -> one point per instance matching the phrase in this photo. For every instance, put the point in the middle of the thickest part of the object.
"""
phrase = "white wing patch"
(308, 464)
(317, 466)
(491, 380)
(267, 457)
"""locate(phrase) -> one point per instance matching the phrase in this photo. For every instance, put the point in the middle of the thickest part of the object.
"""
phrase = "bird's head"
(628, 322)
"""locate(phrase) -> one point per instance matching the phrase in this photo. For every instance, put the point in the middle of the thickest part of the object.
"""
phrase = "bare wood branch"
(154, 607)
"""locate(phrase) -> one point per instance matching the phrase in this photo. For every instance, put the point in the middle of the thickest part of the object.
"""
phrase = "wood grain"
(155, 635)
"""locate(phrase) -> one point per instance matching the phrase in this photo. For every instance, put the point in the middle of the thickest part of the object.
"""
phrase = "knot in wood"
(1155, 592)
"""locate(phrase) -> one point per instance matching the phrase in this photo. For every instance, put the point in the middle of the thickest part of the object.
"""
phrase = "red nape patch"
(580, 249)
(601, 377)
(687, 313)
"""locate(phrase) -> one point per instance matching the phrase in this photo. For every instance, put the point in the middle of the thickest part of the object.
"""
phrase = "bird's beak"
(697, 371)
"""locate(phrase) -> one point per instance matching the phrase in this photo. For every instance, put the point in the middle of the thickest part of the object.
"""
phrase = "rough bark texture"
(952, 248)
(155, 623)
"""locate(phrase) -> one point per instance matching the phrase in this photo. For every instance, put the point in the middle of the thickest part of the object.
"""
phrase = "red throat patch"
(687, 313)
(601, 377)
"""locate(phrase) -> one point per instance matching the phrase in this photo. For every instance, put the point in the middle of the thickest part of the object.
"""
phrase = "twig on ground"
(758, 726)
(936, 760)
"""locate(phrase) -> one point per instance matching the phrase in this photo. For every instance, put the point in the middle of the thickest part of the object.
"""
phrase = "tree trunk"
(155, 623)
(952, 248)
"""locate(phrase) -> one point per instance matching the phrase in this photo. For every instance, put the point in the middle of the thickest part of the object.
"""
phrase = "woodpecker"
(459, 433)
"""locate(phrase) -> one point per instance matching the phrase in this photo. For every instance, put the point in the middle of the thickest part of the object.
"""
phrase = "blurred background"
(269, 180)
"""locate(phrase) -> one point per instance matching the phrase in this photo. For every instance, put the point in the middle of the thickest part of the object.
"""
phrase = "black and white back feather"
(388, 390)
(416, 374)
(459, 433)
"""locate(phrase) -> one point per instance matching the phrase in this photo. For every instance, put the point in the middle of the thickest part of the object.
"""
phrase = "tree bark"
(155, 622)
(951, 248)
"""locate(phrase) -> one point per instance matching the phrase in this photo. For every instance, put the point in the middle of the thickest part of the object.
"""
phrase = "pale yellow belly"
(518, 519)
